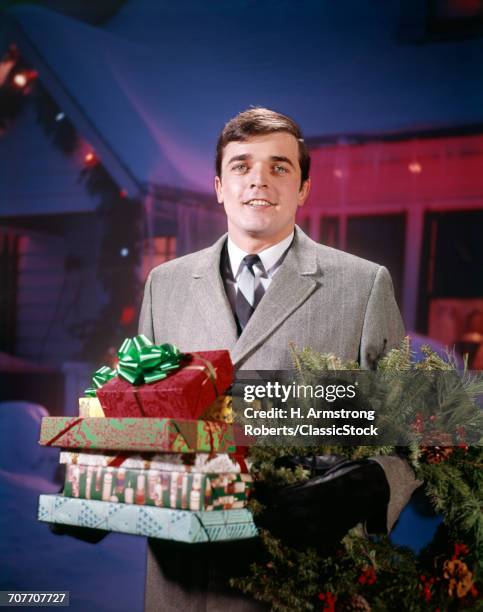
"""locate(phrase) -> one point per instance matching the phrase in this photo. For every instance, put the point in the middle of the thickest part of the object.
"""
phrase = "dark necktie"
(249, 288)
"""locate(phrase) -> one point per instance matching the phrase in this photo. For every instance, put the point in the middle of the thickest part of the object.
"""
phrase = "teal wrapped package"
(150, 521)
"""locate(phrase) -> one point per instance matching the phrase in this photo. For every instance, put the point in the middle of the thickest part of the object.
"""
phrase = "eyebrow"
(273, 158)
(243, 157)
(281, 158)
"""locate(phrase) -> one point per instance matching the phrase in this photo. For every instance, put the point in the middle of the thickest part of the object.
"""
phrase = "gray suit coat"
(320, 297)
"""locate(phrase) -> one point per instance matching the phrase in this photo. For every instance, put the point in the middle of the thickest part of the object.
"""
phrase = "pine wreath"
(373, 573)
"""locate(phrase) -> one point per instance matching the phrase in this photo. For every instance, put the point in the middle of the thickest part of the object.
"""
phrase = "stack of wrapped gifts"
(152, 451)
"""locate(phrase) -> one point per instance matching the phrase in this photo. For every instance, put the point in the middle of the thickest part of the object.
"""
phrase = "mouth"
(258, 203)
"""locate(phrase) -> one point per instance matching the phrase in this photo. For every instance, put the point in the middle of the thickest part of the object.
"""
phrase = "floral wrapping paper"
(138, 434)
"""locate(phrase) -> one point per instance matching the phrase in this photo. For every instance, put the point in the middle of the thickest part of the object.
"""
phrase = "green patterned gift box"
(163, 523)
(177, 490)
(137, 434)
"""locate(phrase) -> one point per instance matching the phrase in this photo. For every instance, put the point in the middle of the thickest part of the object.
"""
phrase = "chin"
(259, 231)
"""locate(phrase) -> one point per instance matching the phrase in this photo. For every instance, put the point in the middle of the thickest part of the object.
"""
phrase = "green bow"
(141, 361)
(99, 378)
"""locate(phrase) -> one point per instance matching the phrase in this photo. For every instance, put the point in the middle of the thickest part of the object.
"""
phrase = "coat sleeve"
(146, 318)
(383, 327)
(383, 330)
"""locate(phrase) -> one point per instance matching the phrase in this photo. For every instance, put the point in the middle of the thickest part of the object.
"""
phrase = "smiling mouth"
(256, 203)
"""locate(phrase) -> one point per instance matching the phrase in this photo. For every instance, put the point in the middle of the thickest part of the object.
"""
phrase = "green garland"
(374, 574)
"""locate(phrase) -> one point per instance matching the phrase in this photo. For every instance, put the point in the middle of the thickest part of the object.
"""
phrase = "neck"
(257, 244)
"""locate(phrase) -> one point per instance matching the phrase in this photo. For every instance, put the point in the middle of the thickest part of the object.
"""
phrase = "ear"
(219, 190)
(304, 192)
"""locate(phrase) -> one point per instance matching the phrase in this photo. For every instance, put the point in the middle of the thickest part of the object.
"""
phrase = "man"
(255, 291)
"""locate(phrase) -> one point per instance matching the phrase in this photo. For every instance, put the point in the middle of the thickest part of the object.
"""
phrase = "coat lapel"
(293, 283)
(210, 295)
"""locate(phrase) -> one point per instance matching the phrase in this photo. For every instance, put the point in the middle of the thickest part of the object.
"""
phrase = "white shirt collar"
(269, 257)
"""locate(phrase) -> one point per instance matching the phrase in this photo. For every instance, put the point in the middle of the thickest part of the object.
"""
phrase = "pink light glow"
(415, 167)
(90, 159)
(20, 80)
(375, 174)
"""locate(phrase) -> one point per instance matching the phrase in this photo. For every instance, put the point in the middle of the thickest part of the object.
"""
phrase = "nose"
(258, 177)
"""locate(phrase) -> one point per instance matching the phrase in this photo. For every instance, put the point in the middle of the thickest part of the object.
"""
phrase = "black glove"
(317, 464)
(86, 534)
(320, 511)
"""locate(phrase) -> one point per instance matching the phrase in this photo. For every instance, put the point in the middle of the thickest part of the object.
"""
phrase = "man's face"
(260, 187)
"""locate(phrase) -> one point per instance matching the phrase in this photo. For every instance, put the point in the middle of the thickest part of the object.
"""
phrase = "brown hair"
(258, 121)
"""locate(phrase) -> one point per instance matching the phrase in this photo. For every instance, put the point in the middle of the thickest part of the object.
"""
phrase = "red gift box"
(184, 394)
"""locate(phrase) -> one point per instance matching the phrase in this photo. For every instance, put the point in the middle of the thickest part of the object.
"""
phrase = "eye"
(280, 169)
(241, 168)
